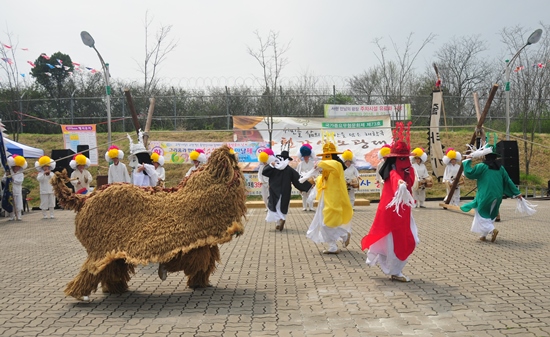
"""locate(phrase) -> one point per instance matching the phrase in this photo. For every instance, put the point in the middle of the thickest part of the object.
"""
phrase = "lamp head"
(87, 39)
(534, 37)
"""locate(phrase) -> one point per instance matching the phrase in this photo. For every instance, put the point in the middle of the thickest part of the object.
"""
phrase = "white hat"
(17, 160)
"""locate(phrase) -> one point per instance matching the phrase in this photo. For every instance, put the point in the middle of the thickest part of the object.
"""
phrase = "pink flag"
(25, 49)
(76, 64)
(5, 45)
(60, 61)
(32, 64)
(45, 56)
(7, 60)
(49, 74)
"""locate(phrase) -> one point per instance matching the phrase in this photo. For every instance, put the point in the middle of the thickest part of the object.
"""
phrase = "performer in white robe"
(452, 159)
(198, 157)
(17, 164)
(117, 170)
(158, 163)
(351, 174)
(81, 177)
(143, 173)
(266, 156)
(419, 188)
(45, 166)
(307, 162)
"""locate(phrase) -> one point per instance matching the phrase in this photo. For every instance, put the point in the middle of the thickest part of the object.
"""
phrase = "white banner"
(178, 152)
(364, 136)
(436, 149)
(396, 111)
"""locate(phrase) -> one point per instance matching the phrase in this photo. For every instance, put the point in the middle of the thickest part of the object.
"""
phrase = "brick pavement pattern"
(273, 283)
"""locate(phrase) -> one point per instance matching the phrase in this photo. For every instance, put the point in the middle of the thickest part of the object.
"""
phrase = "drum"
(461, 181)
(354, 183)
(428, 182)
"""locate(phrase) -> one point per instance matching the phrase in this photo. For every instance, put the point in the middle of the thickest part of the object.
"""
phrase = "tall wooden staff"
(473, 140)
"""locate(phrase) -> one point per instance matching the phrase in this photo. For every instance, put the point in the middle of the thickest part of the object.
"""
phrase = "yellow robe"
(337, 210)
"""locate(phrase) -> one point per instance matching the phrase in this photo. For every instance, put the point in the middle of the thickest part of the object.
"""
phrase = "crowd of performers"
(331, 181)
(403, 179)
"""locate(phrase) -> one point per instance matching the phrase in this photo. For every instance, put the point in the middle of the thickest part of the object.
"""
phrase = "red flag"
(76, 64)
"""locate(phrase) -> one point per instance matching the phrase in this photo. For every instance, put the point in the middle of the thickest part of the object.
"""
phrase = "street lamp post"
(88, 40)
(533, 38)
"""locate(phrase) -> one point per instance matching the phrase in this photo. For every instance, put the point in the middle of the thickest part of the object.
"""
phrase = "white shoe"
(45, 216)
(304, 209)
(11, 219)
(52, 217)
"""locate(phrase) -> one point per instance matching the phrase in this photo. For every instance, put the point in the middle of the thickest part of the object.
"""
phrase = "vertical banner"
(74, 135)
(436, 149)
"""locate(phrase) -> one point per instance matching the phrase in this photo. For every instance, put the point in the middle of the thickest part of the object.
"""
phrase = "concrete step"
(298, 203)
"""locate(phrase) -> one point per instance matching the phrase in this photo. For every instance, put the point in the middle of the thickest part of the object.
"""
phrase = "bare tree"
(270, 56)
(390, 79)
(464, 69)
(156, 52)
(530, 84)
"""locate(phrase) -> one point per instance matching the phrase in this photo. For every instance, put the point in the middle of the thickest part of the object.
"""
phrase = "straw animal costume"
(179, 228)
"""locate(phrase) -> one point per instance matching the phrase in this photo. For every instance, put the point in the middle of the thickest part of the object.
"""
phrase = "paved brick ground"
(274, 283)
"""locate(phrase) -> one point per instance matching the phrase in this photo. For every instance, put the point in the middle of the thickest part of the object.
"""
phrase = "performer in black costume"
(281, 177)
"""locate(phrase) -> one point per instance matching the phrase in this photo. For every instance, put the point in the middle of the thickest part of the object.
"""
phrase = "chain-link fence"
(213, 112)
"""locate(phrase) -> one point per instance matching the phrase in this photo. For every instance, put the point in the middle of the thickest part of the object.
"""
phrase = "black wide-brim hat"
(144, 158)
(284, 155)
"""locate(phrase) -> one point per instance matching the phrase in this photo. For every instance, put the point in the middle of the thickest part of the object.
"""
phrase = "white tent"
(14, 147)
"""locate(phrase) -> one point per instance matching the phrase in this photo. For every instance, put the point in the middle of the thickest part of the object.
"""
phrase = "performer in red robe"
(393, 235)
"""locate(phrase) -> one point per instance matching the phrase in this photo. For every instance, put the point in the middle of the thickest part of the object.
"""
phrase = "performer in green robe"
(492, 183)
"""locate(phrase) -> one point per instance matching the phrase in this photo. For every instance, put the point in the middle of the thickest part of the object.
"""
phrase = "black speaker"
(509, 158)
(84, 149)
(62, 159)
(60, 164)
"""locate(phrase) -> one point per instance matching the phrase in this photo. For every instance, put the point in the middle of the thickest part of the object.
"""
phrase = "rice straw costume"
(45, 166)
(418, 159)
(81, 177)
(393, 235)
(452, 159)
(334, 211)
(117, 170)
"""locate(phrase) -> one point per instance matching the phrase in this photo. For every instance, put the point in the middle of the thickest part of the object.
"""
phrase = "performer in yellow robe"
(334, 212)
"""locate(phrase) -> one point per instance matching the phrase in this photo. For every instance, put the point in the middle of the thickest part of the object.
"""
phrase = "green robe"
(491, 186)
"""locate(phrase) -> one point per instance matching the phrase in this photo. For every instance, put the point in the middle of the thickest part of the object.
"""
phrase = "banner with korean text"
(396, 111)
(364, 136)
(82, 134)
(178, 152)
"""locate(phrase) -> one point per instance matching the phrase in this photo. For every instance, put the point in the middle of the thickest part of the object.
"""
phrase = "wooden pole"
(132, 109)
(149, 121)
(473, 139)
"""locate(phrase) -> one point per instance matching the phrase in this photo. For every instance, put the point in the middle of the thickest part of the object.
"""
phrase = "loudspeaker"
(67, 155)
(84, 149)
(60, 164)
(509, 158)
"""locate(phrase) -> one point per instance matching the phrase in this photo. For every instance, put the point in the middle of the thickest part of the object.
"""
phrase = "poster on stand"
(82, 134)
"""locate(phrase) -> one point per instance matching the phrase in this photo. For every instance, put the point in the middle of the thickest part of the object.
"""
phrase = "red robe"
(387, 221)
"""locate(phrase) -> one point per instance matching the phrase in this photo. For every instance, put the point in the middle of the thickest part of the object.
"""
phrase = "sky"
(331, 40)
